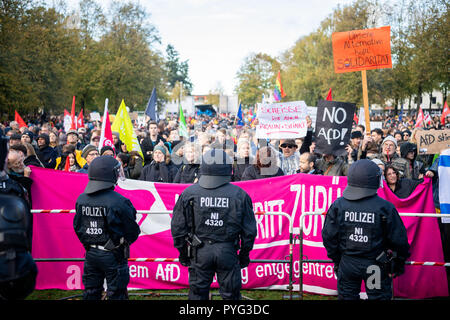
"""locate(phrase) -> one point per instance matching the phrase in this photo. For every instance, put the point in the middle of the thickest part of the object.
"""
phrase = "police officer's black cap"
(363, 180)
(102, 174)
(215, 169)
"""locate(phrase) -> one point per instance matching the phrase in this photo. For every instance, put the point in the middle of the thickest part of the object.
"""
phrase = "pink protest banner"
(53, 235)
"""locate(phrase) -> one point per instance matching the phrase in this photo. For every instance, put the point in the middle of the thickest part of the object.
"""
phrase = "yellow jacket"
(81, 161)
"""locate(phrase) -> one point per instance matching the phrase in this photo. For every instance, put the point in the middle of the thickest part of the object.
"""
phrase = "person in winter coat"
(17, 170)
(89, 153)
(408, 151)
(118, 144)
(131, 163)
(242, 160)
(307, 164)
(161, 169)
(31, 157)
(189, 170)
(108, 151)
(331, 165)
(68, 154)
(65, 150)
(401, 187)
(149, 143)
(46, 154)
(265, 166)
(288, 158)
(28, 137)
(390, 157)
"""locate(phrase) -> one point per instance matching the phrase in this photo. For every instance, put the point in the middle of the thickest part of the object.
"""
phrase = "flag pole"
(366, 100)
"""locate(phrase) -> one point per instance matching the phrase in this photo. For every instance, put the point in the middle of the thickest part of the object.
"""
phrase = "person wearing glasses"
(390, 157)
(288, 158)
(89, 153)
(406, 135)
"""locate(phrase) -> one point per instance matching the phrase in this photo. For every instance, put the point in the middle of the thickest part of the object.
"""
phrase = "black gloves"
(398, 267)
(244, 259)
(184, 258)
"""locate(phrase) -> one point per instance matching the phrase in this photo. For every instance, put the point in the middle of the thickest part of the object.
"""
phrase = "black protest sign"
(333, 126)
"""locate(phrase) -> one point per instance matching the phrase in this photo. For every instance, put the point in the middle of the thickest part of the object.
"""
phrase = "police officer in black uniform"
(105, 223)
(211, 221)
(18, 270)
(365, 236)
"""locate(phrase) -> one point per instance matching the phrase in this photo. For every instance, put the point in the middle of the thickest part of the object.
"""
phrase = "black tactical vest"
(90, 224)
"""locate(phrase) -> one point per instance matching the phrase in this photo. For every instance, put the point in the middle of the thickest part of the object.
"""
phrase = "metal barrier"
(319, 213)
(284, 214)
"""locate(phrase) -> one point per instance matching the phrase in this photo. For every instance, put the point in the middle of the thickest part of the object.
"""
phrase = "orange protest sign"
(359, 50)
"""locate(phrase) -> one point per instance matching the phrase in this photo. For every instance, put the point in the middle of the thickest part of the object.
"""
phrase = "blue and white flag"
(444, 183)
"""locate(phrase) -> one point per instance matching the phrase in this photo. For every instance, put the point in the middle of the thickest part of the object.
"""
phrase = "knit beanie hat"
(104, 148)
(390, 138)
(160, 148)
(88, 149)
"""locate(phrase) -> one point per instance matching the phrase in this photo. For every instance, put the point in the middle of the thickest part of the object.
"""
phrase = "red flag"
(420, 118)
(73, 125)
(67, 165)
(355, 118)
(445, 113)
(329, 97)
(106, 138)
(427, 119)
(19, 120)
(80, 120)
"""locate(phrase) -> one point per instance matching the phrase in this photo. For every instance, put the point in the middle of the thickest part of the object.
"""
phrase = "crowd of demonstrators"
(166, 157)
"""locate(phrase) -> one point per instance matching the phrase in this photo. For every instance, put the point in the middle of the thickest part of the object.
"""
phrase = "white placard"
(376, 124)
(285, 120)
(95, 116)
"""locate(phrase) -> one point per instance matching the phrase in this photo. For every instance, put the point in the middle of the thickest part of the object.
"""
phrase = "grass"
(55, 294)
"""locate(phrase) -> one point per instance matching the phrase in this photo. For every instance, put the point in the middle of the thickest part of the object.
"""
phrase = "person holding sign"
(288, 157)
(362, 50)
(401, 187)
(333, 128)
(354, 146)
